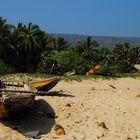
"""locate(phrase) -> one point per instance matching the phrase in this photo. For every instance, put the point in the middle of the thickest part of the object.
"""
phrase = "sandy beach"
(81, 108)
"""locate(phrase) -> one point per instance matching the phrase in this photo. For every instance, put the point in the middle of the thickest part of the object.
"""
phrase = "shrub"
(5, 69)
(63, 61)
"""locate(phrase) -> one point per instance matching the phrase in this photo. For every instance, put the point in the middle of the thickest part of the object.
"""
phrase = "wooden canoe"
(15, 97)
(93, 70)
(45, 85)
(102, 70)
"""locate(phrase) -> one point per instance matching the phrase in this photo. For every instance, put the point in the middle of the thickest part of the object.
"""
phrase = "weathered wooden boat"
(45, 85)
(15, 96)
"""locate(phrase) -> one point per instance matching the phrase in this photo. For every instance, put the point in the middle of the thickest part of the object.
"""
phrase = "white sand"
(80, 107)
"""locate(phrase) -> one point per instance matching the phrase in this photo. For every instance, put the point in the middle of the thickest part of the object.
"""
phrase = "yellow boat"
(45, 85)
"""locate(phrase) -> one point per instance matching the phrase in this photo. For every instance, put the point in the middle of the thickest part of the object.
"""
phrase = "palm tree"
(59, 44)
(29, 35)
(5, 40)
(46, 41)
(27, 46)
(86, 48)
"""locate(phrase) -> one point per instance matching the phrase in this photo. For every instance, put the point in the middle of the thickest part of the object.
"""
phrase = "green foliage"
(5, 69)
(59, 44)
(123, 57)
(86, 49)
(63, 61)
(68, 60)
(46, 63)
(27, 48)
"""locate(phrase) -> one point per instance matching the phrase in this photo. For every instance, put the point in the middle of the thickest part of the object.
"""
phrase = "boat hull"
(137, 66)
(12, 102)
(45, 85)
(93, 70)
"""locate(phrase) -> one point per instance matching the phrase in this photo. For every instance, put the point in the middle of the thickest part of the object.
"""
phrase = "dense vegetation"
(27, 48)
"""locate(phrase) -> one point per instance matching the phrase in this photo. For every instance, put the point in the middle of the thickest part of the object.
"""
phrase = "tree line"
(27, 48)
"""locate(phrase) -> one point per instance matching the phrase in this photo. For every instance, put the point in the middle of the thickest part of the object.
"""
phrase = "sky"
(86, 17)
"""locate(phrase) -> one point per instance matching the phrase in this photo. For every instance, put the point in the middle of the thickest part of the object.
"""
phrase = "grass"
(32, 76)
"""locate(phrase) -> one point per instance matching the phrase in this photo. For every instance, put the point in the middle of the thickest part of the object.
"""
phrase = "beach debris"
(68, 105)
(102, 124)
(112, 86)
(69, 73)
(59, 130)
(100, 136)
(69, 114)
(51, 115)
(138, 96)
(32, 134)
(77, 122)
(124, 112)
(129, 138)
(93, 88)
(117, 108)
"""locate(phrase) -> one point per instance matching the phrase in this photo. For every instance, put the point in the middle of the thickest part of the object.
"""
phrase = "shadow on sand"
(33, 119)
(58, 94)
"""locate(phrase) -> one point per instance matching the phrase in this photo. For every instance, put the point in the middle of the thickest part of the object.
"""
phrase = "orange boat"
(94, 69)
(45, 85)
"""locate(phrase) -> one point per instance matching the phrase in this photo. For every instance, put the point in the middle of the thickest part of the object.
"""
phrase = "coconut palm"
(27, 46)
(87, 48)
(59, 44)
(5, 39)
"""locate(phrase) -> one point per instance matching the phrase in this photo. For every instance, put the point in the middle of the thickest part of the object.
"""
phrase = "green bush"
(5, 69)
(63, 61)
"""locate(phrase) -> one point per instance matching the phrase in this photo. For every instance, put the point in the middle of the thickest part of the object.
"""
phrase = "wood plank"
(4, 91)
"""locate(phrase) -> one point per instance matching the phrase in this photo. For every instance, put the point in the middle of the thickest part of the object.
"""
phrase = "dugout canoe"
(102, 70)
(93, 70)
(15, 97)
(45, 85)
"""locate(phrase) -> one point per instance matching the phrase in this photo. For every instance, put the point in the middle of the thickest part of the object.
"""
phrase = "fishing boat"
(102, 70)
(137, 66)
(93, 70)
(45, 85)
(15, 96)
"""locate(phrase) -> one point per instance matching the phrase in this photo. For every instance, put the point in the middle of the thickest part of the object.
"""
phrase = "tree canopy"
(27, 48)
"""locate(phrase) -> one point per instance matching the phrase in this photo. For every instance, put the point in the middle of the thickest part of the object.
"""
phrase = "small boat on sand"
(102, 70)
(45, 85)
(93, 70)
(137, 66)
(15, 96)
